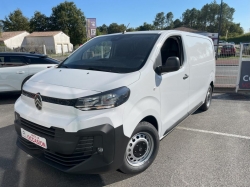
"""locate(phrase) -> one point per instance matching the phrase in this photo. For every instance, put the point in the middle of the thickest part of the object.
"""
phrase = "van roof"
(159, 32)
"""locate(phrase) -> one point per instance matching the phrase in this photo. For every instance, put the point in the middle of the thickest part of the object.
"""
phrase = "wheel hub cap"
(139, 149)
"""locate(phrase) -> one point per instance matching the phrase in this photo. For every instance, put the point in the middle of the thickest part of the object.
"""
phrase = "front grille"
(83, 151)
(28, 94)
(67, 160)
(38, 128)
(66, 102)
(85, 144)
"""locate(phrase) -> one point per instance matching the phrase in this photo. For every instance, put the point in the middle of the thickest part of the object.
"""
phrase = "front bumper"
(76, 152)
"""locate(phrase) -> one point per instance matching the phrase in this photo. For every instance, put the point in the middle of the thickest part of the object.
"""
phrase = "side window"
(1, 61)
(99, 51)
(37, 60)
(172, 48)
(13, 61)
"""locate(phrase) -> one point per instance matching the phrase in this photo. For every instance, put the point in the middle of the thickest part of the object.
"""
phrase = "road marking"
(213, 132)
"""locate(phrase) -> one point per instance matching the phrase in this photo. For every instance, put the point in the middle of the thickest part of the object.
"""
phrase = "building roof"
(7, 35)
(187, 29)
(45, 33)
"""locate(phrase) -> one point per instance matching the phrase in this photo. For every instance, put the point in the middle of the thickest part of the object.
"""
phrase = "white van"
(109, 104)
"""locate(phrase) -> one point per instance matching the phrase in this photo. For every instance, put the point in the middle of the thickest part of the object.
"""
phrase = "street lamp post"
(219, 29)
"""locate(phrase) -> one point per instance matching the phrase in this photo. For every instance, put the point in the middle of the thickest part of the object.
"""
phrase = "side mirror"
(172, 64)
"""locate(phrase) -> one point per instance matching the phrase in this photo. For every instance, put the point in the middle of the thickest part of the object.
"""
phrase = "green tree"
(16, 22)
(191, 18)
(208, 18)
(115, 28)
(177, 23)
(102, 29)
(39, 22)
(1, 27)
(131, 29)
(145, 27)
(69, 19)
(159, 21)
(234, 29)
(169, 20)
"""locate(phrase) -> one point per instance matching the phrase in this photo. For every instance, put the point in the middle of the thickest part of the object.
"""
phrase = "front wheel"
(208, 99)
(141, 150)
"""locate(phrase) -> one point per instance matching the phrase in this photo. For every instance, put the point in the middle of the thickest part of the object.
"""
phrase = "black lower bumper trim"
(78, 152)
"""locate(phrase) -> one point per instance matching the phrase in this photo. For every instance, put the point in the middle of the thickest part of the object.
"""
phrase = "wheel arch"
(147, 109)
(152, 120)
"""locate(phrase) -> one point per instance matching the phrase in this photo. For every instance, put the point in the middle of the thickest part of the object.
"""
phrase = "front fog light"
(104, 100)
(100, 149)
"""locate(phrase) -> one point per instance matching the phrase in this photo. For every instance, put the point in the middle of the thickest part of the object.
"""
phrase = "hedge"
(242, 38)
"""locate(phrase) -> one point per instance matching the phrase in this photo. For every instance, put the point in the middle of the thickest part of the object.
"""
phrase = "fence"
(42, 49)
(227, 65)
(28, 49)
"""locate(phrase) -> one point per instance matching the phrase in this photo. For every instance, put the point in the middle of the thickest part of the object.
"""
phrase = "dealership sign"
(243, 79)
(244, 82)
(91, 27)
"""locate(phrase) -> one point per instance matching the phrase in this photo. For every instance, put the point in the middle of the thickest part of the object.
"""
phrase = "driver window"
(172, 48)
(99, 51)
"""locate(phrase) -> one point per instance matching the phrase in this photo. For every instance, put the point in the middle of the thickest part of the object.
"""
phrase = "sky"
(133, 12)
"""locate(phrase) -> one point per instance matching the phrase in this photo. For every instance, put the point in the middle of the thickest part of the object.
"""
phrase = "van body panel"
(66, 117)
(86, 79)
(56, 91)
(200, 55)
(143, 101)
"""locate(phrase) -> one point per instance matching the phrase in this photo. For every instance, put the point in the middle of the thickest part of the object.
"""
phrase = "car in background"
(228, 50)
(222, 42)
(231, 43)
(17, 68)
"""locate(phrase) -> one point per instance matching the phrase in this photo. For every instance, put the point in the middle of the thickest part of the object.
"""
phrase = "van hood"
(85, 79)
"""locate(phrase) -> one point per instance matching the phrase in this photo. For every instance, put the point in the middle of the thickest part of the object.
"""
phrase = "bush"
(238, 39)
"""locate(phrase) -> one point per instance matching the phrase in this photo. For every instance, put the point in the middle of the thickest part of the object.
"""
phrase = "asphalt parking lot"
(208, 149)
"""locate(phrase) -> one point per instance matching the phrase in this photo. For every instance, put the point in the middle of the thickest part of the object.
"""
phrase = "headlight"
(105, 100)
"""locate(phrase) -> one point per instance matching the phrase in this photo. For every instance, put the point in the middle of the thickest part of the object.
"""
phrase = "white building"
(13, 39)
(54, 41)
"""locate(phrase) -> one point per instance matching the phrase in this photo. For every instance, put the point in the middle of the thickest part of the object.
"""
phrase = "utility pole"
(219, 29)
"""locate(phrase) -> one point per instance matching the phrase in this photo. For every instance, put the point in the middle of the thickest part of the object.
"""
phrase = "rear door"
(13, 70)
(201, 58)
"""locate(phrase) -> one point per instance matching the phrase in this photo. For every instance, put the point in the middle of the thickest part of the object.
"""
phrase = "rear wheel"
(208, 99)
(141, 150)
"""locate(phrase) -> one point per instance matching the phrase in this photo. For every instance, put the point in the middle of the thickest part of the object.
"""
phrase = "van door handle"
(20, 72)
(185, 77)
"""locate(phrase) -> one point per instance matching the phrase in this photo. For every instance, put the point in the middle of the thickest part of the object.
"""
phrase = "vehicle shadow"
(232, 96)
(20, 169)
(8, 98)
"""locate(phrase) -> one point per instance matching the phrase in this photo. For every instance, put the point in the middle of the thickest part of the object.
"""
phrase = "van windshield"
(123, 53)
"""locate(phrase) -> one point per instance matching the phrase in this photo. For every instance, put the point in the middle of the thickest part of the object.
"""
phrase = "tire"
(143, 147)
(208, 99)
